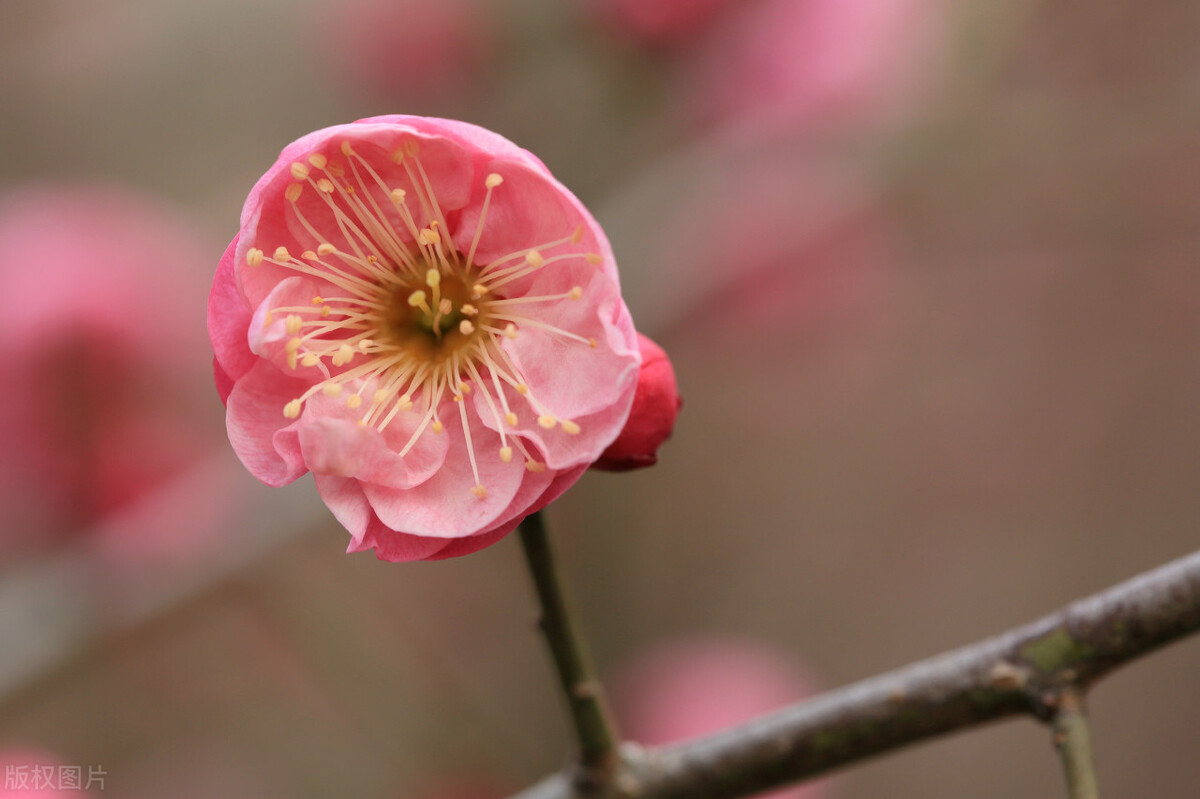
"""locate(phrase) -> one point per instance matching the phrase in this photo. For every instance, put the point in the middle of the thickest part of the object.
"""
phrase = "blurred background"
(927, 270)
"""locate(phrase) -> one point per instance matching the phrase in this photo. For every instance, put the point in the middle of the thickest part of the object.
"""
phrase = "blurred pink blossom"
(813, 62)
(474, 355)
(30, 773)
(687, 688)
(103, 353)
(657, 21)
(426, 50)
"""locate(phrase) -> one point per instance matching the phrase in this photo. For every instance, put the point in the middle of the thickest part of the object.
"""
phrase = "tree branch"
(593, 721)
(1025, 670)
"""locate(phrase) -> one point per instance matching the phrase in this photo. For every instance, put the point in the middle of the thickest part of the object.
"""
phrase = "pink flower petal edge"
(651, 421)
(419, 313)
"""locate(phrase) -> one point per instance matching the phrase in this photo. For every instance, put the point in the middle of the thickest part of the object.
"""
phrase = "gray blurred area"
(943, 382)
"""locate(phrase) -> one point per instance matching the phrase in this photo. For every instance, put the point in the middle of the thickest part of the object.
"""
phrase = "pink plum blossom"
(652, 418)
(813, 61)
(415, 310)
(31, 773)
(108, 408)
(686, 688)
(657, 21)
(407, 48)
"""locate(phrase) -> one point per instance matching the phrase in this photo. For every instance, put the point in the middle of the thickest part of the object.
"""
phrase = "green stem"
(592, 719)
(1074, 742)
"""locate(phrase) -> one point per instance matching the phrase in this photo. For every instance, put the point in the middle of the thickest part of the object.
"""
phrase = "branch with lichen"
(1041, 669)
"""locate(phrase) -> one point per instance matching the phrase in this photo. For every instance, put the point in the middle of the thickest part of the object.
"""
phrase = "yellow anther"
(293, 344)
(534, 259)
(433, 278)
(570, 428)
(325, 248)
(270, 317)
(445, 306)
(594, 258)
(308, 255)
(332, 389)
(372, 259)
(310, 359)
(354, 400)
(398, 195)
(281, 254)
(405, 402)
(292, 324)
(493, 180)
(318, 300)
(325, 312)
(577, 234)
(479, 289)
(506, 454)
(592, 343)
(347, 150)
(292, 409)
(292, 359)
(437, 426)
(398, 155)
(318, 160)
(547, 421)
(510, 330)
(325, 185)
(411, 147)
(417, 299)
(293, 191)
(522, 389)
(299, 171)
(468, 310)
(343, 355)
(379, 396)
(429, 236)
(575, 293)
(534, 466)
(479, 491)
(365, 344)
(464, 386)
(457, 398)
(254, 256)
(465, 327)
(511, 418)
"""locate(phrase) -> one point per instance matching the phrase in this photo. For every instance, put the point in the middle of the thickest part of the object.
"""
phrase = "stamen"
(254, 256)
(292, 409)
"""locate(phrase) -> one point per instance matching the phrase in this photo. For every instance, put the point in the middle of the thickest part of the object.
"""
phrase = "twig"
(1022, 671)
(1074, 743)
(594, 726)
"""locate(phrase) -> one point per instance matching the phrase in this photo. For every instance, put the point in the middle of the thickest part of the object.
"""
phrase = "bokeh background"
(928, 272)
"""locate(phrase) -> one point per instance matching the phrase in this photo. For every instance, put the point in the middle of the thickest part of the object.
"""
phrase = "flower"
(107, 411)
(437, 51)
(652, 418)
(815, 62)
(415, 310)
(657, 21)
(685, 688)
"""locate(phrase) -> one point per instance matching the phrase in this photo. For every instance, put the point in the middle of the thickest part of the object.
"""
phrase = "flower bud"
(652, 418)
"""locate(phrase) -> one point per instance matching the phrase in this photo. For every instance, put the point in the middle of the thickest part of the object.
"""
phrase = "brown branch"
(1025, 670)
(593, 722)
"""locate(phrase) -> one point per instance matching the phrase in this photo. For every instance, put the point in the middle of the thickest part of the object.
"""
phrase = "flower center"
(415, 323)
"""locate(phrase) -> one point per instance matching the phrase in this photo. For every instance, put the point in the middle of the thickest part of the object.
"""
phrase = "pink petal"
(266, 442)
